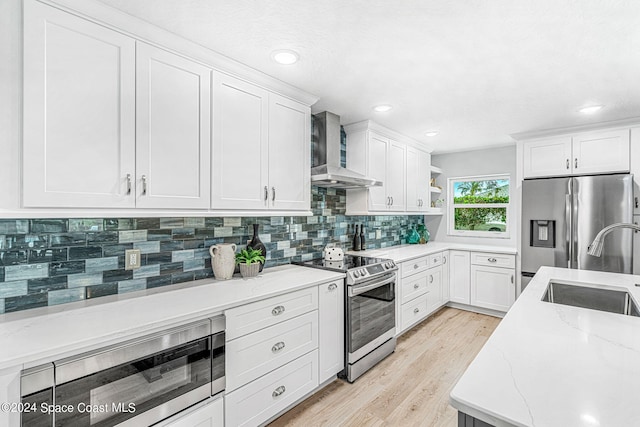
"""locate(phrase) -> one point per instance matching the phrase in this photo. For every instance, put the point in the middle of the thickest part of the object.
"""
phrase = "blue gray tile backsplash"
(55, 261)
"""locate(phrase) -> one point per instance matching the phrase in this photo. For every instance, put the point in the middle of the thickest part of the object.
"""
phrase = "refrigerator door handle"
(567, 220)
(574, 231)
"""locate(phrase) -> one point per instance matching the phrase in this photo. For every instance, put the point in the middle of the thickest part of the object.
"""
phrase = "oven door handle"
(353, 291)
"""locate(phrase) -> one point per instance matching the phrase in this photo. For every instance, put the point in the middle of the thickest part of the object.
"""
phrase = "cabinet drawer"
(253, 355)
(260, 400)
(435, 260)
(414, 311)
(414, 266)
(252, 317)
(493, 260)
(413, 286)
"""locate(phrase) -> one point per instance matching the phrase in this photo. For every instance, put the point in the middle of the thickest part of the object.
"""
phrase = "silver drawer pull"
(277, 310)
(492, 260)
(416, 310)
(415, 266)
(277, 392)
(444, 260)
(332, 287)
(430, 278)
(416, 286)
(277, 347)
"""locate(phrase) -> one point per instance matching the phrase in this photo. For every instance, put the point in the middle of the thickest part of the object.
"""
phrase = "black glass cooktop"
(349, 262)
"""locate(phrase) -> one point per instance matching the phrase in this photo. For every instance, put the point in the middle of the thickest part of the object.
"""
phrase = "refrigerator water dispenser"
(543, 233)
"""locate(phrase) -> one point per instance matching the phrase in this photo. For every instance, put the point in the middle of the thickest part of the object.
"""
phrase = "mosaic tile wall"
(55, 261)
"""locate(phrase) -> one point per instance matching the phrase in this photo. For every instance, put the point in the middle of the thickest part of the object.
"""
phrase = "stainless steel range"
(370, 310)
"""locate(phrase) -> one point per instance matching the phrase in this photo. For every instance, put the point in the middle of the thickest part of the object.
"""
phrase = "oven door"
(139, 383)
(371, 318)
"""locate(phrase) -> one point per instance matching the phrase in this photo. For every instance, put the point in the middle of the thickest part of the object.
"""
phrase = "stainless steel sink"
(601, 299)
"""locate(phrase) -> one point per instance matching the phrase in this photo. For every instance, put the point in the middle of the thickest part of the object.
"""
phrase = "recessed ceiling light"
(590, 109)
(432, 133)
(383, 108)
(285, 56)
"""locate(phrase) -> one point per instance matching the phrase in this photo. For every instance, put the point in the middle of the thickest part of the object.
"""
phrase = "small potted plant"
(249, 261)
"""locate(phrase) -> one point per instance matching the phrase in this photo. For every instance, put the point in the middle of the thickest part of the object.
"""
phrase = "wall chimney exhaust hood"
(326, 170)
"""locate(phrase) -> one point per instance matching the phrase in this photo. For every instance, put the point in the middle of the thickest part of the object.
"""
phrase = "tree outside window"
(479, 206)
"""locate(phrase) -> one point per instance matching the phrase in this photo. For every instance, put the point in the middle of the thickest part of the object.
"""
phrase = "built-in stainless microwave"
(136, 383)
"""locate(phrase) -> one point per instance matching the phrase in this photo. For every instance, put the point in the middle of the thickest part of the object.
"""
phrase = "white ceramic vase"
(223, 260)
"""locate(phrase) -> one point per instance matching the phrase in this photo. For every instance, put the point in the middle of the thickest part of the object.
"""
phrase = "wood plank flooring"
(409, 388)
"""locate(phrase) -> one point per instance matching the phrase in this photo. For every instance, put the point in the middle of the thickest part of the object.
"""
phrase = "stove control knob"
(356, 274)
(363, 272)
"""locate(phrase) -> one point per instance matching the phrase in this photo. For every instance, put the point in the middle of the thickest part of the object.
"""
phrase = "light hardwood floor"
(409, 388)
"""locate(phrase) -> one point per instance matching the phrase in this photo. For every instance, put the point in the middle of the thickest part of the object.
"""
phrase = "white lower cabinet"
(268, 395)
(459, 277)
(434, 289)
(331, 329)
(413, 312)
(209, 415)
(445, 276)
(492, 287)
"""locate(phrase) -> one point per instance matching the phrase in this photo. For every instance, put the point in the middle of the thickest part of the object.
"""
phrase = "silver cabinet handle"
(332, 287)
(575, 165)
(273, 194)
(512, 278)
(636, 199)
(266, 193)
(144, 185)
(416, 310)
(568, 164)
(444, 259)
(388, 201)
(416, 286)
(277, 310)
(277, 392)
(129, 187)
(431, 278)
(415, 266)
(277, 347)
(391, 200)
(492, 260)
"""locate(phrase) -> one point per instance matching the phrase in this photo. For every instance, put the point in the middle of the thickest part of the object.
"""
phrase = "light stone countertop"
(556, 365)
(407, 252)
(45, 334)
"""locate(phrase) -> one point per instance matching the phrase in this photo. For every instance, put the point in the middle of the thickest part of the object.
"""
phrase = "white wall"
(490, 161)
(10, 101)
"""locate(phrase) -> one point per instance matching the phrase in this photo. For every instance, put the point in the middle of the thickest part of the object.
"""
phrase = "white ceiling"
(476, 70)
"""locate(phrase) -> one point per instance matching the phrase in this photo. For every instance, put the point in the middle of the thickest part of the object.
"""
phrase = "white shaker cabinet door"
(240, 145)
(173, 107)
(417, 178)
(445, 277)
(289, 154)
(492, 287)
(377, 169)
(601, 152)
(459, 276)
(79, 112)
(396, 165)
(331, 329)
(547, 157)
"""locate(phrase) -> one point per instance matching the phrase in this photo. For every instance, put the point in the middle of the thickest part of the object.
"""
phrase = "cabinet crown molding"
(365, 125)
(610, 125)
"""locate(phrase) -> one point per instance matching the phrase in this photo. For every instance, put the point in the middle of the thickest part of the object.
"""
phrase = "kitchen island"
(557, 365)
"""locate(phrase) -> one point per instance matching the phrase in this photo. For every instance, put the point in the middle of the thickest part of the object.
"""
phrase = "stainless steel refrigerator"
(561, 217)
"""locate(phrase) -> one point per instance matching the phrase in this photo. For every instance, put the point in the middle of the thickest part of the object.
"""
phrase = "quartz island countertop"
(557, 365)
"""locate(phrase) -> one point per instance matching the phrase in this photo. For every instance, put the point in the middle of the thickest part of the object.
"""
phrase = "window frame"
(451, 231)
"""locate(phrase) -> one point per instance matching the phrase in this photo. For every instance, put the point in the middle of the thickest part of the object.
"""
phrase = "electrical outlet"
(378, 234)
(131, 259)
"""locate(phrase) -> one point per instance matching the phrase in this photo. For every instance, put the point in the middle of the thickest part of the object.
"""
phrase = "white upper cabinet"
(289, 154)
(261, 149)
(79, 112)
(173, 106)
(604, 151)
(548, 157)
(403, 169)
(418, 175)
(240, 144)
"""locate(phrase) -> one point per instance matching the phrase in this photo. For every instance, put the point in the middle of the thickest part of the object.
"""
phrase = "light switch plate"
(132, 259)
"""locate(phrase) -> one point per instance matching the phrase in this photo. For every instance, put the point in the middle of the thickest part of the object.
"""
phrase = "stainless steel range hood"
(326, 170)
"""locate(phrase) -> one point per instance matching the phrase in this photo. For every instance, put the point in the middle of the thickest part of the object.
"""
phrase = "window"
(479, 206)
